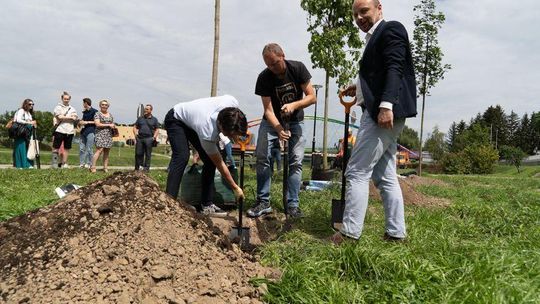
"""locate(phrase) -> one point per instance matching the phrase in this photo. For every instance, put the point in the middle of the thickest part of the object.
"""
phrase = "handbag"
(115, 132)
(18, 130)
(33, 149)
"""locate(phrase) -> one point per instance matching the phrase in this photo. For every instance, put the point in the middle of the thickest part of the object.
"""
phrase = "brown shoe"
(390, 238)
(338, 238)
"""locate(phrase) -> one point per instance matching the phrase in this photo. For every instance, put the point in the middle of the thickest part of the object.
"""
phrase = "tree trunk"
(424, 92)
(213, 89)
(325, 124)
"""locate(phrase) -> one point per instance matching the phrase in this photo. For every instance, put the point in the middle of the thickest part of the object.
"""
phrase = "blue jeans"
(265, 141)
(86, 149)
(228, 154)
(374, 157)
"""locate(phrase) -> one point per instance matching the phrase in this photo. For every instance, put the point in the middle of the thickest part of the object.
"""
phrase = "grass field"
(119, 156)
(484, 248)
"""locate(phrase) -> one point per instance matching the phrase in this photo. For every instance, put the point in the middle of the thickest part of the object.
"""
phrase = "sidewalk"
(111, 168)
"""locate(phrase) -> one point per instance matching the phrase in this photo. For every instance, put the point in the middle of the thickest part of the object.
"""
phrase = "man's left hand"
(386, 118)
(287, 109)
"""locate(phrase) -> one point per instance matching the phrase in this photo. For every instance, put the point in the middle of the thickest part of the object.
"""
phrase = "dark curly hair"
(233, 121)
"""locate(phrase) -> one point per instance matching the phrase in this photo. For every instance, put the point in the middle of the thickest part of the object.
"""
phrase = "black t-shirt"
(286, 90)
(146, 126)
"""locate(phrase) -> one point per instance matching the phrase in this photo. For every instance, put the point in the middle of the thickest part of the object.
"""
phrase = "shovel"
(338, 205)
(285, 119)
(240, 231)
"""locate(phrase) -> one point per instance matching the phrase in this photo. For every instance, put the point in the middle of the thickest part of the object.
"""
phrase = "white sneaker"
(214, 211)
(65, 166)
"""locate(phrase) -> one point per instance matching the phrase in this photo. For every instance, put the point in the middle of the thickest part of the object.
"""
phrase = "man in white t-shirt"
(199, 122)
(66, 118)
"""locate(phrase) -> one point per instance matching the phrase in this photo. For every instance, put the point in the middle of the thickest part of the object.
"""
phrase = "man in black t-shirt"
(282, 86)
(146, 131)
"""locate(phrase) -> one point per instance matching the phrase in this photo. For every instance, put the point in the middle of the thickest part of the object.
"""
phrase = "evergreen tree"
(495, 119)
(451, 136)
(512, 125)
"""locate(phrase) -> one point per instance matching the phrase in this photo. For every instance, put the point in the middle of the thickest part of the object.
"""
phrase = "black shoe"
(390, 238)
(294, 212)
(259, 209)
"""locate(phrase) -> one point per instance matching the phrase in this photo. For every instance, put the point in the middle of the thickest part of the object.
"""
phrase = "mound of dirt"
(411, 196)
(122, 240)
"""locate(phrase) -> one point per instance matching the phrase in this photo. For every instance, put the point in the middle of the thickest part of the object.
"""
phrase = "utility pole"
(213, 89)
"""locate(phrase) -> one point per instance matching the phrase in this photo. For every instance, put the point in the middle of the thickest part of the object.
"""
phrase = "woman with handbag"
(105, 130)
(23, 123)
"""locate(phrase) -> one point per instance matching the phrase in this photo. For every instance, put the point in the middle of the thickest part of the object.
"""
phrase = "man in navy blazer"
(386, 90)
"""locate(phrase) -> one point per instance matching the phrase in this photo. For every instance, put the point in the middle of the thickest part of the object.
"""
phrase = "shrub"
(481, 158)
(455, 163)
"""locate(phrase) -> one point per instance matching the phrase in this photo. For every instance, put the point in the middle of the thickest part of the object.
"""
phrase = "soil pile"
(410, 194)
(122, 240)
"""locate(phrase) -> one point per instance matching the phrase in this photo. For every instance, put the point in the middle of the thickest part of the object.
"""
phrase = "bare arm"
(222, 168)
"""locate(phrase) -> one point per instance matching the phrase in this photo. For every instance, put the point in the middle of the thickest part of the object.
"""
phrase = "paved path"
(111, 168)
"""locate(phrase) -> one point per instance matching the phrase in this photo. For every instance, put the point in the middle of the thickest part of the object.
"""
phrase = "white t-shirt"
(22, 116)
(201, 116)
(65, 127)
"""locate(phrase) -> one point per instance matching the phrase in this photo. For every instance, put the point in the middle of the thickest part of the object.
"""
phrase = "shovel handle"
(243, 143)
(346, 104)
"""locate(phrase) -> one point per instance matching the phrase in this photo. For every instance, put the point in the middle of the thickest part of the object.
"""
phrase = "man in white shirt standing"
(64, 128)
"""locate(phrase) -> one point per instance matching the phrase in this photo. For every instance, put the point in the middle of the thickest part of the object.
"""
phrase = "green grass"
(118, 156)
(484, 248)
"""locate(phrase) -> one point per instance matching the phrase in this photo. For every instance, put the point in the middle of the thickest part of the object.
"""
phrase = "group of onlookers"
(97, 129)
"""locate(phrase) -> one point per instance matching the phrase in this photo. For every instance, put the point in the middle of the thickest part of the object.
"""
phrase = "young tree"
(512, 155)
(334, 46)
(427, 55)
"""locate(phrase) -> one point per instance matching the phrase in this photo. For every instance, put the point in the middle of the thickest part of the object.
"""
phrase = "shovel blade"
(338, 207)
(240, 235)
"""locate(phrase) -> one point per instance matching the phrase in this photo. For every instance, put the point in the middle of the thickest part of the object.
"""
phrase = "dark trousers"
(180, 136)
(143, 152)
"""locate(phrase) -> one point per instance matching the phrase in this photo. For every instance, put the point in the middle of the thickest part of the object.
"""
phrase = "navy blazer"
(387, 71)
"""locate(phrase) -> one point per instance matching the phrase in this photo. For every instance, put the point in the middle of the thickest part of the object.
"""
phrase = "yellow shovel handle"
(346, 104)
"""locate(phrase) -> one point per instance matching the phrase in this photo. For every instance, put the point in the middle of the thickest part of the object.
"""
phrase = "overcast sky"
(160, 52)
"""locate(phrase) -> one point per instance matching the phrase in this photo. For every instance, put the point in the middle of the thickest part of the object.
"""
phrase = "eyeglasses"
(30, 104)
(104, 105)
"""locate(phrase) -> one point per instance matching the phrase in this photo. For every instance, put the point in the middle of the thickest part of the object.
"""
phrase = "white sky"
(160, 52)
